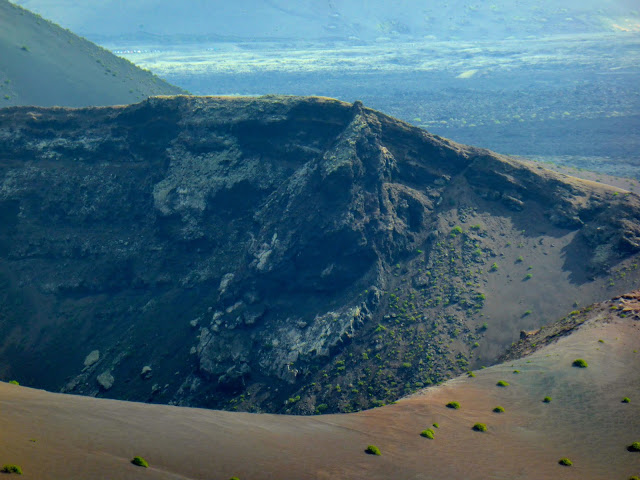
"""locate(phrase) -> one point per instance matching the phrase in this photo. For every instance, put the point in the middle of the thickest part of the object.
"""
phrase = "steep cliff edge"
(281, 253)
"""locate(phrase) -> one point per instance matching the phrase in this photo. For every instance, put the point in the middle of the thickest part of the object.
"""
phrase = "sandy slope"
(53, 436)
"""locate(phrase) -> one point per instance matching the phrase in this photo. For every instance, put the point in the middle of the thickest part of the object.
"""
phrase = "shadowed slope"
(282, 254)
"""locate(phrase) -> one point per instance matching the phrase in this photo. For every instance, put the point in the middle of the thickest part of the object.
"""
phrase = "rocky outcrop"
(245, 247)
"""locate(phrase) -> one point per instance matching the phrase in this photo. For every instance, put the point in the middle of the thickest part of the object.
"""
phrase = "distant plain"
(569, 99)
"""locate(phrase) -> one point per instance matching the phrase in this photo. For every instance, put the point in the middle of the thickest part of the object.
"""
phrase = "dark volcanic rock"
(274, 253)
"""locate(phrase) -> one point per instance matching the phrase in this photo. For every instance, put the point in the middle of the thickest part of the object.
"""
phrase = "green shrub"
(454, 405)
(634, 447)
(14, 382)
(565, 461)
(626, 400)
(428, 433)
(580, 363)
(499, 409)
(436, 425)
(516, 371)
(373, 450)
(502, 383)
(494, 267)
(546, 399)
(234, 478)
(140, 462)
(480, 427)
(9, 468)
(471, 374)
(634, 478)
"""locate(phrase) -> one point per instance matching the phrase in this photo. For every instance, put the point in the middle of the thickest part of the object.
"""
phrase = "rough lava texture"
(280, 254)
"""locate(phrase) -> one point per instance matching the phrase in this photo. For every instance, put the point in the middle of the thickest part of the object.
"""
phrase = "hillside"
(52, 436)
(282, 254)
(43, 64)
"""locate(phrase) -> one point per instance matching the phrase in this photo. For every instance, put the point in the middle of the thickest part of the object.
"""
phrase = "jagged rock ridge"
(280, 253)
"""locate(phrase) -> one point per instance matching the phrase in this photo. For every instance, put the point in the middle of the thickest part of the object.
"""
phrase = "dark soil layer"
(282, 254)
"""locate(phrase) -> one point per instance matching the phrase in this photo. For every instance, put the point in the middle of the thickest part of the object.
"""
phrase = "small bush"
(634, 478)
(565, 461)
(9, 468)
(502, 383)
(546, 399)
(428, 433)
(494, 267)
(373, 450)
(626, 400)
(471, 374)
(580, 363)
(234, 478)
(516, 371)
(14, 382)
(454, 405)
(480, 427)
(634, 447)
(140, 462)
(436, 425)
(499, 409)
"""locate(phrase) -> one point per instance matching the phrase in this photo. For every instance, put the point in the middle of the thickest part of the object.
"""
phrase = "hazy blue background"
(557, 81)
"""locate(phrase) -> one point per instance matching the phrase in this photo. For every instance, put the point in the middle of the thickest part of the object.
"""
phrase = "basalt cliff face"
(281, 254)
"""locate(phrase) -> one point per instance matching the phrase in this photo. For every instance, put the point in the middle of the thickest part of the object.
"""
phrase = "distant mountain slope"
(53, 436)
(43, 64)
(345, 19)
(283, 254)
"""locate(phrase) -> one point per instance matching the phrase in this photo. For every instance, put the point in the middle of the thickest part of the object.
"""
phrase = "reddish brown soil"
(54, 436)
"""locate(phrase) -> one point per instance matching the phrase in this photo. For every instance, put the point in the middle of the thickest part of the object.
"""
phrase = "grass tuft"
(565, 461)
(480, 427)
(140, 462)
(428, 433)
(499, 409)
(10, 468)
(502, 383)
(373, 450)
(634, 447)
(454, 405)
(435, 425)
(626, 400)
(580, 363)
(546, 399)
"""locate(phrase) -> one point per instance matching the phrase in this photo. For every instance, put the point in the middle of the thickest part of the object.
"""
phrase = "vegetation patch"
(565, 461)
(634, 447)
(14, 382)
(454, 405)
(10, 468)
(498, 409)
(480, 427)
(140, 462)
(626, 400)
(428, 433)
(580, 363)
(502, 383)
(546, 399)
(435, 425)
(373, 450)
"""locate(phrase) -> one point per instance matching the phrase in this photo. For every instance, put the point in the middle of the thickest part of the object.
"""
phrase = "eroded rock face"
(245, 247)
